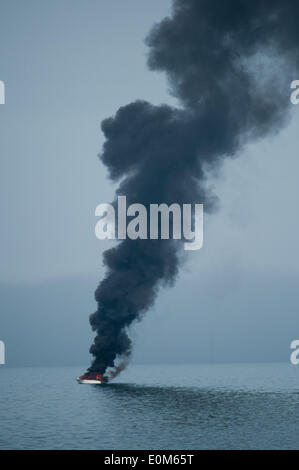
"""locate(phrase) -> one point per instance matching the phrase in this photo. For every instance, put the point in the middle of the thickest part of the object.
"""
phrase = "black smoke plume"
(230, 64)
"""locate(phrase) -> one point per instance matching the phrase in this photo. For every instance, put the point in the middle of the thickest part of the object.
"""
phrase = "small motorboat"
(92, 378)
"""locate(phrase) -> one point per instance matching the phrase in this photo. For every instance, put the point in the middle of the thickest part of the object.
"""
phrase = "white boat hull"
(86, 381)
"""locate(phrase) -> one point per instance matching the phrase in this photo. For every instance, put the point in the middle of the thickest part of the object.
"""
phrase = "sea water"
(225, 406)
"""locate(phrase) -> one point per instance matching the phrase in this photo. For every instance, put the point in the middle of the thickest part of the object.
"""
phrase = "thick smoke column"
(230, 63)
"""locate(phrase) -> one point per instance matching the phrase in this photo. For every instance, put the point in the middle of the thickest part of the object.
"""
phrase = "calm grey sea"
(244, 406)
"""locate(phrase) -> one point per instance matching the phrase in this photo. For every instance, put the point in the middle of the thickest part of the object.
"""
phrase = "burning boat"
(91, 378)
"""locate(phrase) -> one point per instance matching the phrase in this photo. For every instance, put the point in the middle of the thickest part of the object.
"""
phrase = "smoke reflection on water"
(152, 407)
(201, 411)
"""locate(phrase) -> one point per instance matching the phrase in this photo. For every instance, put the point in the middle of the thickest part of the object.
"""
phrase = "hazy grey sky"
(67, 65)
